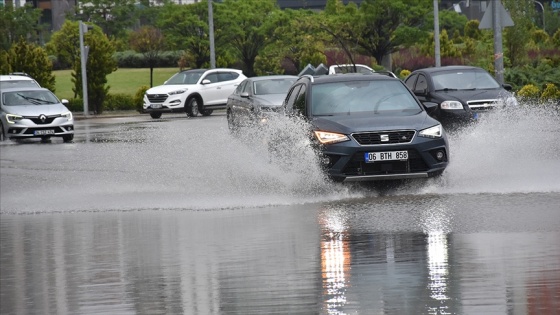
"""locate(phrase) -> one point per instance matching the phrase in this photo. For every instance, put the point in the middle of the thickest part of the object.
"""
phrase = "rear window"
(358, 97)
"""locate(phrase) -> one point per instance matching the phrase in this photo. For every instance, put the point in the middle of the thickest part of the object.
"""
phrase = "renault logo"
(384, 138)
(42, 118)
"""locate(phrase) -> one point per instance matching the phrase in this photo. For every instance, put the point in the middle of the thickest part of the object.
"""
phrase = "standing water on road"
(177, 216)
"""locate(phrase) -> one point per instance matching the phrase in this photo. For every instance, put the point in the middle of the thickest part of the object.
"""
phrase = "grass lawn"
(122, 81)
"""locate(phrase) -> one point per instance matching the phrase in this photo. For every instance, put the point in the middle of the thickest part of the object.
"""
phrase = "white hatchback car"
(193, 92)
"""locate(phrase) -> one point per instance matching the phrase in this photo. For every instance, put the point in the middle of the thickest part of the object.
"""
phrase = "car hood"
(36, 110)
(362, 123)
(164, 89)
(473, 95)
(269, 99)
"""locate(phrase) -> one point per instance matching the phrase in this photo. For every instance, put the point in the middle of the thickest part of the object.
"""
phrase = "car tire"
(206, 112)
(191, 108)
(232, 126)
(2, 135)
(68, 138)
(155, 115)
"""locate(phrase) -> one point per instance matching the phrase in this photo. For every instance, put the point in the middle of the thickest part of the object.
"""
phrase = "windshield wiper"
(34, 100)
(446, 89)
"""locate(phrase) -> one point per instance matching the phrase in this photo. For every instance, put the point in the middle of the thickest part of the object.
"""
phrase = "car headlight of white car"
(181, 91)
(451, 105)
(432, 132)
(12, 119)
(326, 137)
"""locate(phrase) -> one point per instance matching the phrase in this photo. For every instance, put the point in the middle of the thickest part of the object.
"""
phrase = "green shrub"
(529, 92)
(75, 105)
(404, 73)
(139, 97)
(119, 102)
(551, 93)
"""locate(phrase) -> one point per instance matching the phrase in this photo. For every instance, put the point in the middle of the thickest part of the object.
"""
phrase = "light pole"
(211, 33)
(542, 8)
(436, 34)
(83, 58)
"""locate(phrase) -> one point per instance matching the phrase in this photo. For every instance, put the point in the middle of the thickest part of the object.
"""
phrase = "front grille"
(357, 165)
(38, 121)
(371, 138)
(157, 98)
(480, 105)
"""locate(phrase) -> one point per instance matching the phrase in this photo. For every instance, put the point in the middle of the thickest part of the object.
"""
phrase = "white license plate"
(155, 106)
(372, 157)
(44, 132)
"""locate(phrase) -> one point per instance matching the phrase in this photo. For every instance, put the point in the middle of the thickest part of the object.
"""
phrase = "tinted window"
(410, 81)
(422, 83)
(240, 87)
(292, 97)
(273, 86)
(299, 104)
(213, 77)
(227, 76)
(355, 97)
(248, 87)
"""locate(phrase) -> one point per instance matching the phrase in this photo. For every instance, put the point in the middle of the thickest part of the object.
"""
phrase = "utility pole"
(83, 58)
(211, 33)
(498, 50)
(436, 34)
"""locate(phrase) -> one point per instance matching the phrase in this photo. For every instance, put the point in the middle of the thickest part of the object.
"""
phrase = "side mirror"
(421, 92)
(508, 87)
(64, 101)
(244, 94)
(206, 81)
(430, 106)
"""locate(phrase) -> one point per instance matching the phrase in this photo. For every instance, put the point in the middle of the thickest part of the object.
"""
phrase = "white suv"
(193, 91)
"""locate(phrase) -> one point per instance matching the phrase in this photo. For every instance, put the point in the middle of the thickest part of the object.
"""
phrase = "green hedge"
(132, 59)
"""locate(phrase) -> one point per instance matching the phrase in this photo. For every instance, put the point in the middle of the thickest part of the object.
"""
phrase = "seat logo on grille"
(384, 138)
(42, 118)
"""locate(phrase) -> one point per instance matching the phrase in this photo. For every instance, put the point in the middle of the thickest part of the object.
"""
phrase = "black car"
(456, 95)
(369, 127)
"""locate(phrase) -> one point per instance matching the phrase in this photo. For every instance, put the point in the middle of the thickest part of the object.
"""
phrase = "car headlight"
(451, 105)
(432, 132)
(330, 137)
(67, 115)
(13, 118)
(177, 92)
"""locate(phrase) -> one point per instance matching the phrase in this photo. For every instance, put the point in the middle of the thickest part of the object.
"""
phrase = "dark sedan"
(255, 97)
(456, 95)
(369, 127)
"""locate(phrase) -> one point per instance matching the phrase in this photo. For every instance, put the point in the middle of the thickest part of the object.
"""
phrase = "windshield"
(464, 80)
(273, 86)
(358, 97)
(186, 77)
(18, 98)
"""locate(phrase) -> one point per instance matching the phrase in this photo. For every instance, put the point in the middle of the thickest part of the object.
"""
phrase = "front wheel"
(155, 115)
(2, 135)
(192, 107)
(68, 138)
(207, 112)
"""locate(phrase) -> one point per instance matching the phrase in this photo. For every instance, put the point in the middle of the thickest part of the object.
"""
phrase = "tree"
(515, 37)
(16, 23)
(339, 23)
(100, 62)
(384, 26)
(33, 60)
(149, 41)
(186, 28)
(245, 27)
(114, 17)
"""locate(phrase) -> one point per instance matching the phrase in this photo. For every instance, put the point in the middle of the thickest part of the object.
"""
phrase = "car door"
(210, 91)
(227, 83)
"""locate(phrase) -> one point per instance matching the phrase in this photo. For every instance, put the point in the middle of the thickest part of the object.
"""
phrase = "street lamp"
(83, 58)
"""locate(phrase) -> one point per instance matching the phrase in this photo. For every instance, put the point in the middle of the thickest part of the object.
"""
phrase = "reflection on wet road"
(175, 216)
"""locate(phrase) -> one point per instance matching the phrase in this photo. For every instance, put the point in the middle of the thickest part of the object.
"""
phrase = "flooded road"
(176, 216)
